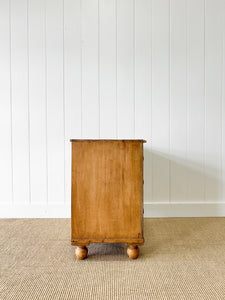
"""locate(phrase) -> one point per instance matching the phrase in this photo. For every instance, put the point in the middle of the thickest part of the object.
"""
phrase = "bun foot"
(81, 252)
(133, 251)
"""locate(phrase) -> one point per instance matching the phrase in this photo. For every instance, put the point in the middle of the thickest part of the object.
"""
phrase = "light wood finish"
(133, 251)
(107, 192)
(112, 240)
(81, 252)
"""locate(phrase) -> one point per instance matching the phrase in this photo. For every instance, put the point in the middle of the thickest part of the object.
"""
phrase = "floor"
(182, 258)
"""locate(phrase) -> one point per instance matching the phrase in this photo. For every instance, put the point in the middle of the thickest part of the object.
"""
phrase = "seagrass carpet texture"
(182, 258)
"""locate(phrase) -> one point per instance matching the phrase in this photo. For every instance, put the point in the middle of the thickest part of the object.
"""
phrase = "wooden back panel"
(107, 189)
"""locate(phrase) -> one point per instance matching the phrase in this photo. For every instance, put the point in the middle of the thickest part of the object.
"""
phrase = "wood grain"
(107, 191)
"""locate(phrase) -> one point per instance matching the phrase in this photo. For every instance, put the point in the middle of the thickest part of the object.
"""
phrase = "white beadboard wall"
(151, 69)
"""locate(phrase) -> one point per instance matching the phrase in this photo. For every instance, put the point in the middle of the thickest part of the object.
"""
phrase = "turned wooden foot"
(133, 251)
(81, 252)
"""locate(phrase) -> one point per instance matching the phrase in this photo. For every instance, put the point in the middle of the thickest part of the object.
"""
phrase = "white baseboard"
(35, 211)
(170, 210)
(151, 210)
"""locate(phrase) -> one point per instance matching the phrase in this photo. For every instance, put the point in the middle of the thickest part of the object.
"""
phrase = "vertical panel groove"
(81, 71)
(223, 97)
(10, 95)
(99, 94)
(204, 154)
(46, 100)
(28, 101)
(63, 88)
(134, 62)
(10, 79)
(151, 166)
(187, 97)
(116, 46)
(187, 91)
(221, 100)
(170, 91)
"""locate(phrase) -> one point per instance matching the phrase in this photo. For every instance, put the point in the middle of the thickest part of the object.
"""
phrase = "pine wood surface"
(107, 192)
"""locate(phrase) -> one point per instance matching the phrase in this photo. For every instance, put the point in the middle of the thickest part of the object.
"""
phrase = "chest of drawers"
(107, 194)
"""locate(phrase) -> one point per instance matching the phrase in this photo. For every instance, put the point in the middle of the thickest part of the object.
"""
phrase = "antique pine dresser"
(107, 194)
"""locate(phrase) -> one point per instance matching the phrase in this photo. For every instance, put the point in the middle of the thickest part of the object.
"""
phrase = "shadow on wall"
(170, 178)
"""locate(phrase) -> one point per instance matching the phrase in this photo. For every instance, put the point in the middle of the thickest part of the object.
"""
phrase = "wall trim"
(52, 210)
(170, 210)
(151, 210)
